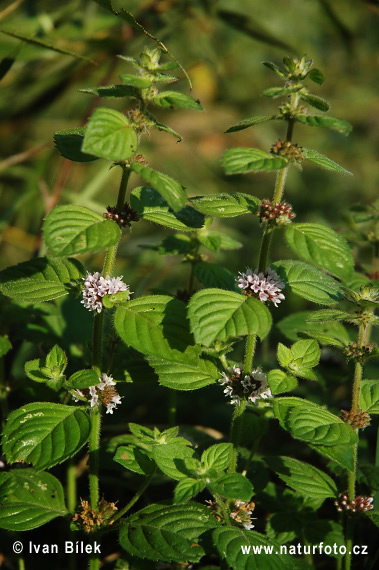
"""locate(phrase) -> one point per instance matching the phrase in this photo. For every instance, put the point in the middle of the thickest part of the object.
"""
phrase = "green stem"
(223, 508)
(94, 444)
(71, 486)
(123, 185)
(172, 407)
(249, 353)
(21, 563)
(138, 494)
(236, 433)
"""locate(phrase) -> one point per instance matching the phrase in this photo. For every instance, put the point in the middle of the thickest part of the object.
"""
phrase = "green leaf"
(56, 358)
(135, 80)
(5, 345)
(217, 456)
(323, 161)
(280, 382)
(176, 99)
(39, 279)
(299, 324)
(110, 135)
(44, 434)
(241, 160)
(302, 477)
(369, 396)
(308, 282)
(70, 230)
(69, 143)
(135, 459)
(312, 423)
(170, 189)
(187, 488)
(308, 351)
(112, 91)
(321, 246)
(316, 76)
(341, 454)
(83, 379)
(279, 91)
(316, 102)
(170, 458)
(246, 123)
(156, 325)
(183, 375)
(215, 241)
(284, 355)
(34, 498)
(216, 314)
(33, 370)
(332, 123)
(226, 205)
(249, 550)
(212, 275)
(328, 315)
(232, 486)
(150, 206)
(167, 533)
(275, 68)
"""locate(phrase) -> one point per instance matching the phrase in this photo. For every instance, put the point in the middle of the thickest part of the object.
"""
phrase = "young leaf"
(323, 161)
(316, 102)
(308, 282)
(110, 135)
(184, 375)
(217, 456)
(187, 488)
(170, 189)
(279, 91)
(246, 123)
(302, 477)
(175, 99)
(232, 486)
(44, 434)
(82, 379)
(279, 381)
(296, 326)
(156, 325)
(369, 396)
(284, 355)
(135, 459)
(135, 81)
(69, 144)
(308, 351)
(321, 246)
(216, 314)
(33, 499)
(241, 160)
(316, 76)
(170, 458)
(226, 205)
(39, 279)
(151, 206)
(212, 275)
(116, 91)
(167, 533)
(327, 122)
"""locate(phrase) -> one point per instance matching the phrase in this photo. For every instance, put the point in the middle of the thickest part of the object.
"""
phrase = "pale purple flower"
(102, 393)
(96, 286)
(266, 286)
(240, 386)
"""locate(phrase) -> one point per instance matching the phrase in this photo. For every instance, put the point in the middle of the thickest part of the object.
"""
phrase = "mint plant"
(226, 496)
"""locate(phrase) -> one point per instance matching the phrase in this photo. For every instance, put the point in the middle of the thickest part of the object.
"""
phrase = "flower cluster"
(358, 505)
(266, 286)
(250, 386)
(357, 420)
(243, 513)
(104, 392)
(90, 520)
(360, 353)
(96, 286)
(279, 213)
(288, 150)
(122, 217)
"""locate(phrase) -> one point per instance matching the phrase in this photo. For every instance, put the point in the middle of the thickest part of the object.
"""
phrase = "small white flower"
(96, 286)
(239, 386)
(266, 286)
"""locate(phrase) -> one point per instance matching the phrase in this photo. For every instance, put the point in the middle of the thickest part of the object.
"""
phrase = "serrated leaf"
(327, 122)
(308, 282)
(217, 456)
(321, 246)
(216, 314)
(44, 434)
(187, 488)
(39, 279)
(33, 499)
(241, 160)
(316, 102)
(170, 458)
(279, 381)
(303, 477)
(308, 351)
(369, 396)
(162, 127)
(183, 375)
(69, 143)
(56, 358)
(300, 324)
(151, 206)
(82, 379)
(246, 123)
(172, 192)
(135, 459)
(112, 91)
(212, 275)
(176, 99)
(328, 315)
(226, 205)
(323, 161)
(156, 325)
(341, 454)
(249, 550)
(110, 135)
(311, 423)
(232, 486)
(33, 370)
(284, 355)
(70, 230)
(167, 533)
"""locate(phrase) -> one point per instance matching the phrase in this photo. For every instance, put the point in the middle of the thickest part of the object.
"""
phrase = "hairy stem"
(137, 495)
(236, 433)
(123, 185)
(249, 353)
(71, 486)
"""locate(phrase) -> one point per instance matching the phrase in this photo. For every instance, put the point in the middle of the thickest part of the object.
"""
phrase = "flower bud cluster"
(357, 420)
(122, 217)
(240, 386)
(288, 150)
(141, 123)
(96, 286)
(279, 213)
(360, 353)
(265, 286)
(90, 520)
(358, 505)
